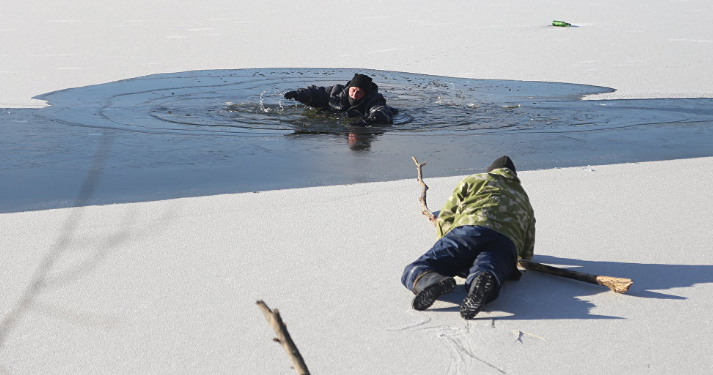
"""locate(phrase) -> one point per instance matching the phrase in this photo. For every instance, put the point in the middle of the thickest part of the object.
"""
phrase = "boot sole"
(471, 306)
(428, 296)
(474, 301)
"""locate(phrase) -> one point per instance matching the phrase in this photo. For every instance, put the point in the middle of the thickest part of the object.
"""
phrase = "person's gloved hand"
(292, 95)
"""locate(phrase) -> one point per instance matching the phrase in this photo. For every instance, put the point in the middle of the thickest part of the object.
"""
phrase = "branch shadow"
(648, 278)
(541, 296)
(79, 248)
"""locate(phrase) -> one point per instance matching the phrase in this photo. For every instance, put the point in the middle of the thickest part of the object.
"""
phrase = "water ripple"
(250, 103)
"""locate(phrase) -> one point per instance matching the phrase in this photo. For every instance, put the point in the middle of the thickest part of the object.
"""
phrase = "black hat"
(502, 162)
(361, 81)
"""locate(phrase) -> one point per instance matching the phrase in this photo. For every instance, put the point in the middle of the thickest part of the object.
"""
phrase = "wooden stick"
(424, 189)
(283, 337)
(616, 284)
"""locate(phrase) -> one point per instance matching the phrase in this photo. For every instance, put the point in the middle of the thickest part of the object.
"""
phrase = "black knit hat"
(361, 81)
(502, 162)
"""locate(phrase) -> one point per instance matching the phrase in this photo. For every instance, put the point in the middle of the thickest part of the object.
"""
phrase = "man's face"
(356, 93)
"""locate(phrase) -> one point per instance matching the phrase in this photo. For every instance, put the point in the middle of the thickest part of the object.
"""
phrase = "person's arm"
(528, 249)
(446, 217)
(313, 96)
(379, 112)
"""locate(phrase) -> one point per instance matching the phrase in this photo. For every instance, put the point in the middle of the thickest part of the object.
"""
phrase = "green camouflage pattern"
(494, 200)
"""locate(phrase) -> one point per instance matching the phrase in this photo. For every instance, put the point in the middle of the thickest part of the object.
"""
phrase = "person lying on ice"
(483, 228)
(358, 98)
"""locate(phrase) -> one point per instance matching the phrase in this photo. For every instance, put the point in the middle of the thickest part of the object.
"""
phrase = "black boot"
(481, 289)
(429, 287)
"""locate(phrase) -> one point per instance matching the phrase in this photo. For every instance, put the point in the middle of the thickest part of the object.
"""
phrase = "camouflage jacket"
(495, 200)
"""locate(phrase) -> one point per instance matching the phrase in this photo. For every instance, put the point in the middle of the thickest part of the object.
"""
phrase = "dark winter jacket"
(371, 109)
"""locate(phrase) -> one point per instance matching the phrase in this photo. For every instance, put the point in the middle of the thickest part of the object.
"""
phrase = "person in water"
(359, 98)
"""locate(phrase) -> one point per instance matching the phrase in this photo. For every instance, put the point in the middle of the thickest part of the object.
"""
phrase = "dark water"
(226, 131)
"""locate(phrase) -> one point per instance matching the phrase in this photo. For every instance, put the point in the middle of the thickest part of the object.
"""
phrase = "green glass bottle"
(561, 23)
